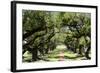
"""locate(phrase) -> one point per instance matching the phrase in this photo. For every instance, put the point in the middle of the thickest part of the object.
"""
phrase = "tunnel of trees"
(43, 31)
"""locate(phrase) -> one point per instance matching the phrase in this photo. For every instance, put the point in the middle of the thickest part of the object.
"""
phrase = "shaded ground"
(61, 53)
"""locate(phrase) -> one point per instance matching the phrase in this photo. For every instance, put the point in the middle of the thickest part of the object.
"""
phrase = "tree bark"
(33, 39)
(34, 54)
(80, 49)
(87, 53)
(46, 50)
(29, 33)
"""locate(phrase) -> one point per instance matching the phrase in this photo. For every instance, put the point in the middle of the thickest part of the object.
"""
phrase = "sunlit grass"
(55, 55)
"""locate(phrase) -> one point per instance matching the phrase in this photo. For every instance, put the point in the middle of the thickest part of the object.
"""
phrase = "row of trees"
(79, 37)
(40, 29)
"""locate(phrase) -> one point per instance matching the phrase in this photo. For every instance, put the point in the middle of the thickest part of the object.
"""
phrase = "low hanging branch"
(33, 39)
(29, 33)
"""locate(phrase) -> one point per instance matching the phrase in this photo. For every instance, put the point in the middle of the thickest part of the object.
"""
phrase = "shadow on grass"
(67, 57)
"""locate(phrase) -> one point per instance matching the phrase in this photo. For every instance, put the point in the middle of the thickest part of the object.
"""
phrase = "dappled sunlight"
(56, 36)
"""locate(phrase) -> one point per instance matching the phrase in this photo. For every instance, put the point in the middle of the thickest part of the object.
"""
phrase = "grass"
(67, 55)
(54, 56)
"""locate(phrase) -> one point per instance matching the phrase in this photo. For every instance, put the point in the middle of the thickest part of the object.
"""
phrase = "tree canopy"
(44, 30)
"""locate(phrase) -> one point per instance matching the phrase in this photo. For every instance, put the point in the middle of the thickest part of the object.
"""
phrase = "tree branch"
(29, 33)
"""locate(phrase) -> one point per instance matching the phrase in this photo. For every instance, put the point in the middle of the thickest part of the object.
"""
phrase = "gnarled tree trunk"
(34, 54)
(87, 53)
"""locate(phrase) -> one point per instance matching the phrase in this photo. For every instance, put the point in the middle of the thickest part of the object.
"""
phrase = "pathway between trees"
(61, 53)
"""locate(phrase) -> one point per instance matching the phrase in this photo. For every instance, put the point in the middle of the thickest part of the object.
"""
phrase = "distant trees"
(40, 29)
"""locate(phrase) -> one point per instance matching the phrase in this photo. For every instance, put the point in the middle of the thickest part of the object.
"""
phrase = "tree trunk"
(87, 53)
(34, 54)
(80, 49)
(75, 50)
(46, 50)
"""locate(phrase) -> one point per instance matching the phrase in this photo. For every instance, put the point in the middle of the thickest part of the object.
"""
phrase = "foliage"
(44, 30)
